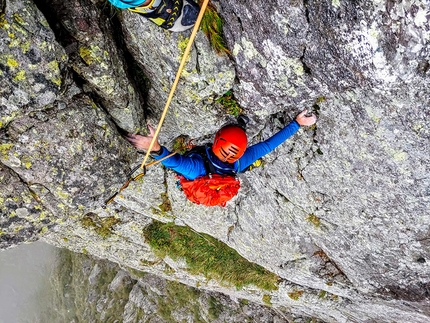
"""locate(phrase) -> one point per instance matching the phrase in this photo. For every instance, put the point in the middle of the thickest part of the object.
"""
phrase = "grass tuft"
(295, 295)
(180, 144)
(312, 218)
(230, 104)
(211, 25)
(166, 206)
(208, 256)
(267, 299)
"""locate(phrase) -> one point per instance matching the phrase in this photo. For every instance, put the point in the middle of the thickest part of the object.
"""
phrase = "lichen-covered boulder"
(30, 61)
(70, 152)
(66, 160)
(30, 80)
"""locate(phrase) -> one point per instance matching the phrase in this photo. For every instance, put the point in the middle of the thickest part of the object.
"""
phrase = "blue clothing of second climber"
(125, 4)
(193, 166)
(173, 15)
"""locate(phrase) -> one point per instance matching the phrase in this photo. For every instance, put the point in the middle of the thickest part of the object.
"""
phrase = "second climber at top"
(173, 15)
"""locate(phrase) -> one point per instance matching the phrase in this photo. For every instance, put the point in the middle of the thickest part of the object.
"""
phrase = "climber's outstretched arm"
(257, 151)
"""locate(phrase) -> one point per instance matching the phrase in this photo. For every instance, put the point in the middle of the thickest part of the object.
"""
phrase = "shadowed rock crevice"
(2, 6)
(415, 293)
(92, 38)
(305, 67)
(329, 270)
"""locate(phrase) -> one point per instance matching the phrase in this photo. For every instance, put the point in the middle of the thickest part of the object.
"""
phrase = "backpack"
(212, 189)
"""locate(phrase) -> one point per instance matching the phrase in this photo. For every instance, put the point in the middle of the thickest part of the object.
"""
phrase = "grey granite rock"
(339, 212)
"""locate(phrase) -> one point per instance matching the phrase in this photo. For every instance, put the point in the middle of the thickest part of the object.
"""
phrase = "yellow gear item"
(256, 164)
(157, 21)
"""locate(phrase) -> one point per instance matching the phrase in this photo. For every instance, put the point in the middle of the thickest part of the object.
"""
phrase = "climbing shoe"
(173, 15)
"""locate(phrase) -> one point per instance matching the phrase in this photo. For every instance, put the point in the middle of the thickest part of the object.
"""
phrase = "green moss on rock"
(102, 226)
(208, 256)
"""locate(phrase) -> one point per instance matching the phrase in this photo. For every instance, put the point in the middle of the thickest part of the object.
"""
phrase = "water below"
(25, 287)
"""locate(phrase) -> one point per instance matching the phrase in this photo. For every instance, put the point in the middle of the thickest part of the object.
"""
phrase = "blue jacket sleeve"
(257, 151)
(189, 167)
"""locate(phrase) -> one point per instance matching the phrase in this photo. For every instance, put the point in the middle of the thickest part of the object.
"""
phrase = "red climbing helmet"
(230, 143)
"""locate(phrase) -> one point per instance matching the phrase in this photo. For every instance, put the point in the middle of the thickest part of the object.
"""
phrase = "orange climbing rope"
(131, 178)
(143, 166)
(175, 83)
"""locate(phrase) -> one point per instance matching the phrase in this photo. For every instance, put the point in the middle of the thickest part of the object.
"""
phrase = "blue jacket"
(193, 166)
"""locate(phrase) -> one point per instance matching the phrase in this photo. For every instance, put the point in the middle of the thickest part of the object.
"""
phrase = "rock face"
(339, 212)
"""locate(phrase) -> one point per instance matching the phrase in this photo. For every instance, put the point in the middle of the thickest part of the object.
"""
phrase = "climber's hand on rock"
(306, 120)
(143, 142)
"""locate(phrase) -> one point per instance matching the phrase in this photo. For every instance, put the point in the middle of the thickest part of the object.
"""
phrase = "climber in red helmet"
(230, 143)
(229, 153)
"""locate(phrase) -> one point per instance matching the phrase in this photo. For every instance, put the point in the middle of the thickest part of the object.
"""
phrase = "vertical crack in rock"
(235, 225)
(166, 205)
(306, 5)
(306, 68)
(302, 58)
(300, 168)
(197, 58)
(240, 23)
(93, 40)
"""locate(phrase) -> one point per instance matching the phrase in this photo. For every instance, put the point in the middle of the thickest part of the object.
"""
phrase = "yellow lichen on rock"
(25, 47)
(20, 76)
(94, 54)
(54, 74)
(19, 19)
(3, 22)
(182, 45)
(11, 62)
(4, 150)
(53, 65)
(20, 30)
(14, 42)
(86, 55)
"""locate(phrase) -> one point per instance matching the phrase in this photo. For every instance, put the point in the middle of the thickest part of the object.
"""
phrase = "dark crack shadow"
(54, 13)
(328, 269)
